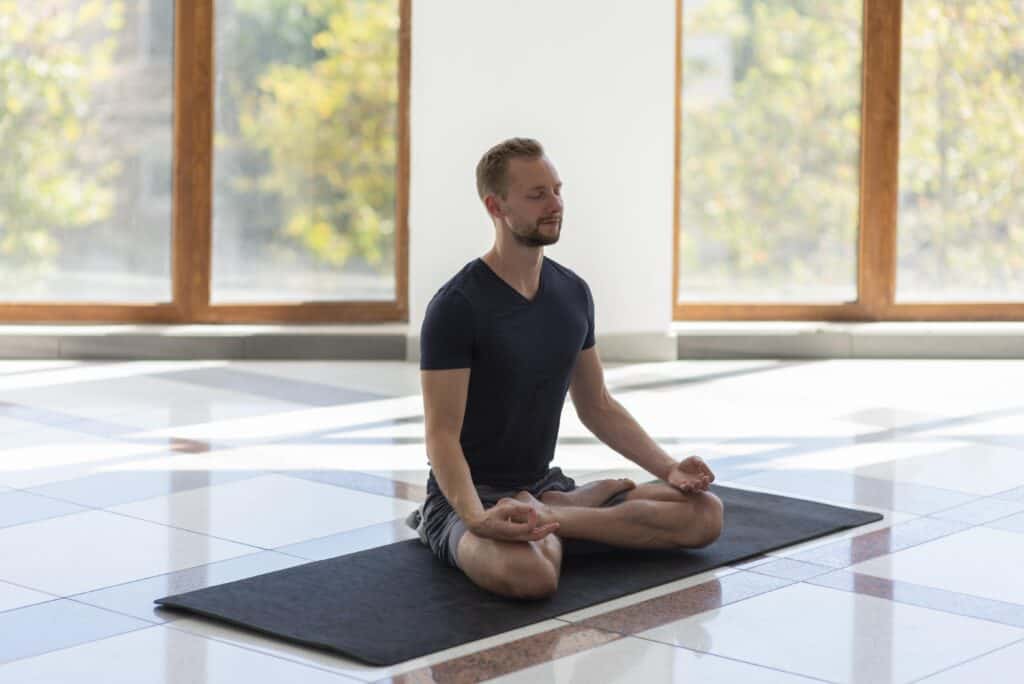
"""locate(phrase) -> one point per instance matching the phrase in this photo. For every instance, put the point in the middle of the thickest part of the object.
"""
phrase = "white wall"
(593, 81)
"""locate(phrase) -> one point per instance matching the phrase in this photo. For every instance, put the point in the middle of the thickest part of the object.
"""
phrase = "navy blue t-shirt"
(521, 354)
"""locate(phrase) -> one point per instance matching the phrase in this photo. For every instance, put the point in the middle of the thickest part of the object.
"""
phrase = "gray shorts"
(440, 527)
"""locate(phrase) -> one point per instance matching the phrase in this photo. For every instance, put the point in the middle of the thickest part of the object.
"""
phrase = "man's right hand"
(510, 520)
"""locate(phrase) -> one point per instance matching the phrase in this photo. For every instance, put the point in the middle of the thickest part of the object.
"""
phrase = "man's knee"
(528, 573)
(709, 520)
(705, 526)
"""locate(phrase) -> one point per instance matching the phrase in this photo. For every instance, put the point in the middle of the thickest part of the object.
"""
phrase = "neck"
(517, 264)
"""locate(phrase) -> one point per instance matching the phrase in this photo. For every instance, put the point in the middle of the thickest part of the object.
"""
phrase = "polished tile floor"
(124, 482)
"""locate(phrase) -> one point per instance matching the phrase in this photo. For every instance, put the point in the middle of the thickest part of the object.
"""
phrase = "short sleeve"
(446, 338)
(589, 341)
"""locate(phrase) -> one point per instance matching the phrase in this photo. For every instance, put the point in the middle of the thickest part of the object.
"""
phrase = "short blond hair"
(492, 170)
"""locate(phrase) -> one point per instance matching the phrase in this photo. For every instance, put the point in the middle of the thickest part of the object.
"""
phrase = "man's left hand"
(691, 474)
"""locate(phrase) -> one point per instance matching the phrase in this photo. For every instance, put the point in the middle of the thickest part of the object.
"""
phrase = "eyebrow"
(541, 187)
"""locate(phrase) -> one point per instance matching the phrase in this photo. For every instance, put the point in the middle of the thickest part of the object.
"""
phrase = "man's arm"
(610, 421)
(444, 407)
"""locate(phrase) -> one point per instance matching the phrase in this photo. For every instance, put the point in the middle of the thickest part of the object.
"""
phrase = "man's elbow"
(595, 411)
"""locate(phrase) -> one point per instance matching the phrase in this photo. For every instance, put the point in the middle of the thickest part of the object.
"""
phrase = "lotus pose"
(502, 343)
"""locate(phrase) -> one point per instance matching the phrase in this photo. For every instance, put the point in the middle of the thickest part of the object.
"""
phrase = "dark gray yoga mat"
(395, 602)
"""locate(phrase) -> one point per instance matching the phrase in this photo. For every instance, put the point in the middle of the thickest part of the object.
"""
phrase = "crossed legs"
(652, 516)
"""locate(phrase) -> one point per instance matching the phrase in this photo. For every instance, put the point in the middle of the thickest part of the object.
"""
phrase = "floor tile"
(394, 378)
(970, 562)
(64, 455)
(787, 568)
(653, 594)
(631, 660)
(677, 605)
(862, 455)
(96, 549)
(1003, 666)
(54, 625)
(344, 666)
(10, 425)
(981, 511)
(12, 596)
(289, 422)
(23, 507)
(158, 655)
(836, 636)
(382, 482)
(237, 378)
(269, 511)
(1014, 523)
(1016, 495)
(865, 545)
(847, 488)
(510, 656)
(352, 541)
(279, 453)
(125, 484)
(892, 417)
(1003, 612)
(136, 598)
(1001, 430)
(979, 469)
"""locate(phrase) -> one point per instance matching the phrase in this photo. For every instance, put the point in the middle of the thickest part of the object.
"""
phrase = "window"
(75, 223)
(770, 150)
(850, 160)
(961, 200)
(305, 170)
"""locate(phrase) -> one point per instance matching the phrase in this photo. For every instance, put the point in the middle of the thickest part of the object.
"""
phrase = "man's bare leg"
(591, 494)
(662, 517)
(526, 570)
(653, 516)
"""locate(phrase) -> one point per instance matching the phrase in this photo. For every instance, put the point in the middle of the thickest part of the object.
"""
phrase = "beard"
(534, 235)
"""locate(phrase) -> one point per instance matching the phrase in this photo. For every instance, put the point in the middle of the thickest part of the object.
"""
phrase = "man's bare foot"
(591, 494)
(543, 511)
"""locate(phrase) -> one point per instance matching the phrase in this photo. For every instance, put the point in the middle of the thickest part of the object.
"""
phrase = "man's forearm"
(618, 429)
(453, 477)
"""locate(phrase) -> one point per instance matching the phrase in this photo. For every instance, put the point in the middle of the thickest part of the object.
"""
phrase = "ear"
(493, 206)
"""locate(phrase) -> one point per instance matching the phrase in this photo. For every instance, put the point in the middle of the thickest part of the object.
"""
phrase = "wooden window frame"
(193, 199)
(879, 179)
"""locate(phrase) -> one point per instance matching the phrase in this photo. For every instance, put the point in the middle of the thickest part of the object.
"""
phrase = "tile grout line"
(737, 660)
(951, 594)
(580, 625)
(964, 528)
(65, 648)
(969, 660)
(276, 656)
(567, 626)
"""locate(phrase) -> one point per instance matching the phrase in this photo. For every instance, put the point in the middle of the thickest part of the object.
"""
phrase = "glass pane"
(85, 128)
(305, 150)
(770, 150)
(961, 198)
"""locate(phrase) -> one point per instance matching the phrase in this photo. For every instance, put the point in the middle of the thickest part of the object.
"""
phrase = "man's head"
(521, 190)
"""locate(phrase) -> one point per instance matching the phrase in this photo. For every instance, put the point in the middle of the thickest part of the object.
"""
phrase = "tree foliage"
(53, 175)
(326, 123)
(770, 183)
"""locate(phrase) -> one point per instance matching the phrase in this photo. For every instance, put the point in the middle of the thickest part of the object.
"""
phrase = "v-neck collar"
(540, 285)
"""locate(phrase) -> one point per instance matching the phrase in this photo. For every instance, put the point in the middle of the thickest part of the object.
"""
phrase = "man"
(502, 343)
